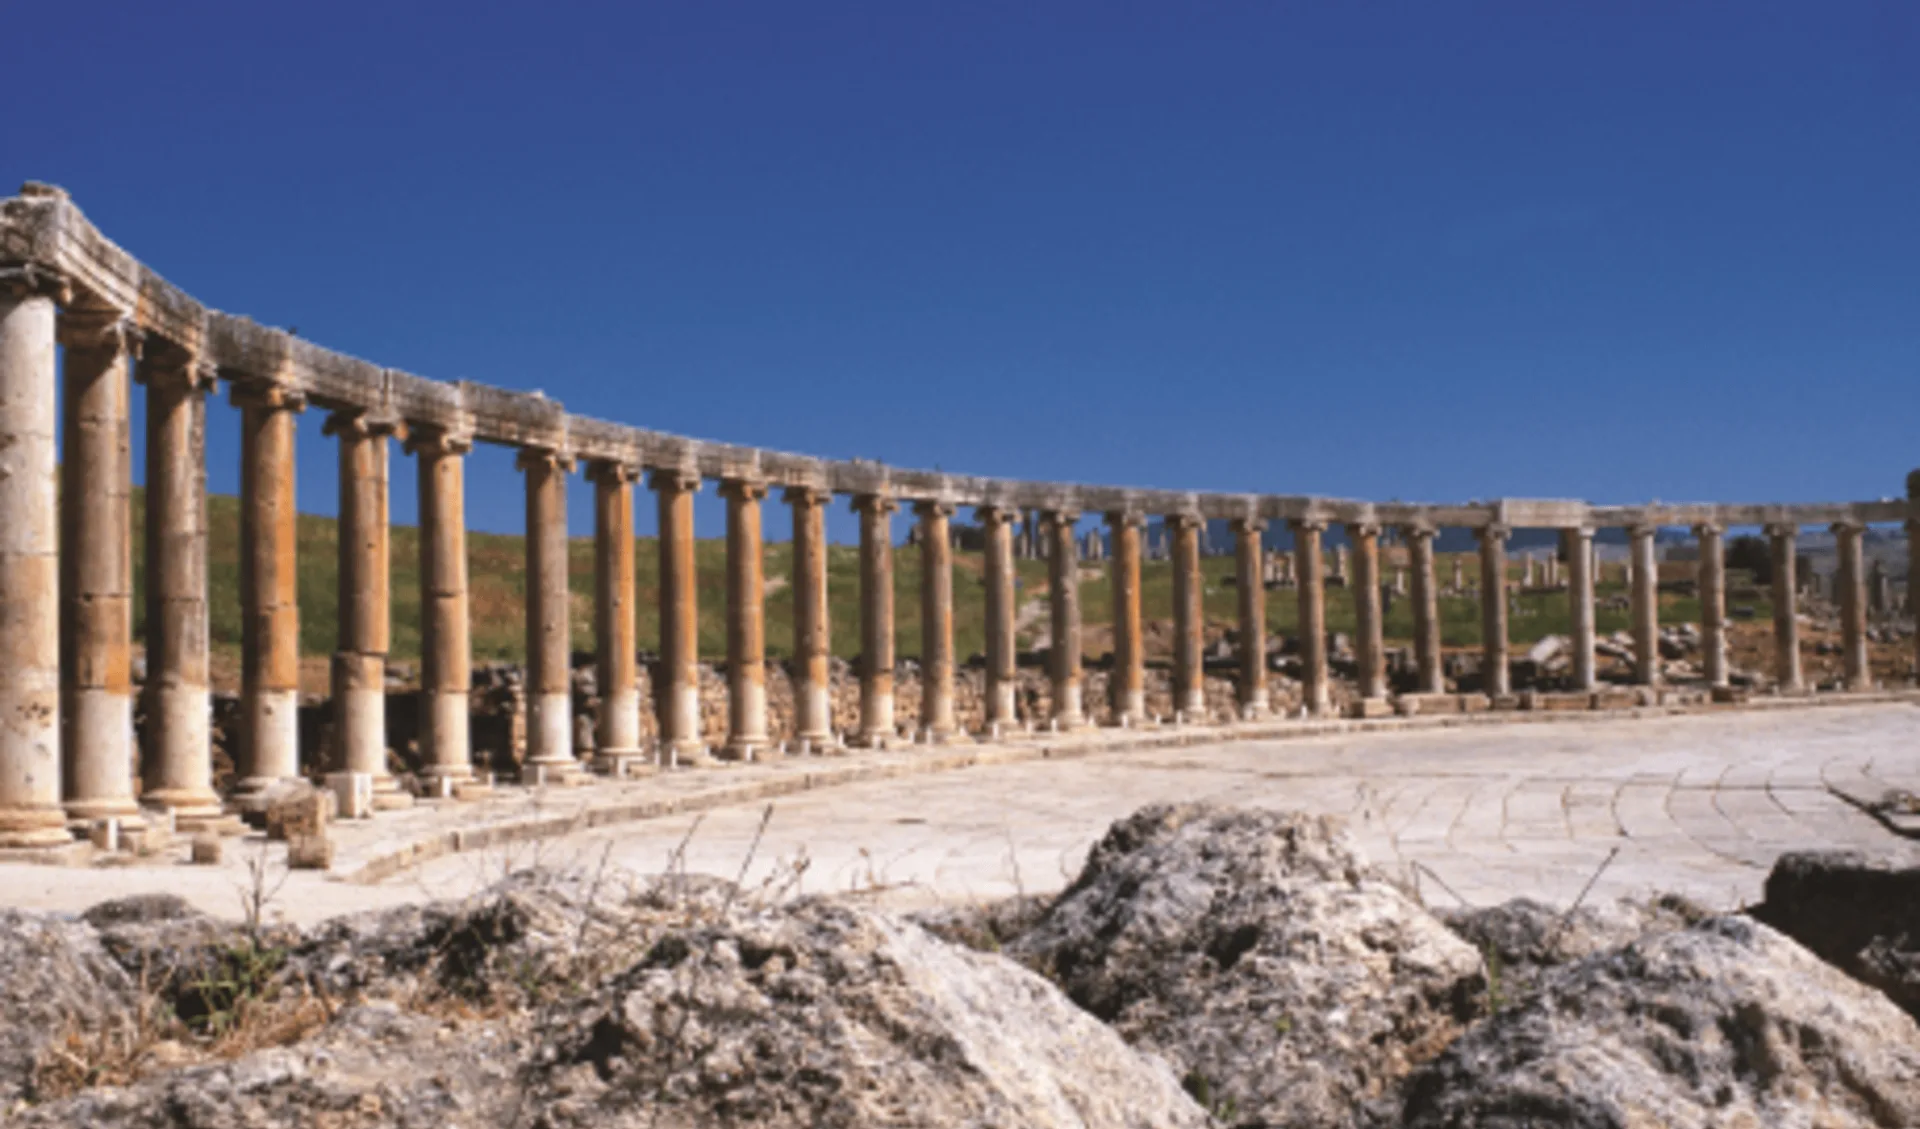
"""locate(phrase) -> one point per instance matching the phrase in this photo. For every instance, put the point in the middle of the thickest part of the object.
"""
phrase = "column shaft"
(549, 624)
(269, 582)
(746, 622)
(615, 635)
(1851, 582)
(1063, 583)
(812, 631)
(30, 812)
(96, 571)
(936, 621)
(1712, 583)
(446, 657)
(1310, 567)
(360, 661)
(1189, 619)
(677, 690)
(1645, 601)
(1127, 688)
(1578, 546)
(1493, 609)
(1366, 606)
(1786, 613)
(1426, 611)
(1002, 674)
(1250, 578)
(876, 619)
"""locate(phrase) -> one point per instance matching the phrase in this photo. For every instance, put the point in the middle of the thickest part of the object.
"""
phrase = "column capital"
(1307, 524)
(933, 507)
(1494, 531)
(880, 504)
(1849, 525)
(175, 372)
(1060, 517)
(1642, 529)
(266, 395)
(31, 280)
(1247, 525)
(1708, 529)
(673, 480)
(361, 423)
(1782, 529)
(1419, 532)
(1358, 529)
(742, 489)
(544, 458)
(806, 495)
(1183, 521)
(1126, 519)
(612, 472)
(996, 513)
(434, 439)
(99, 329)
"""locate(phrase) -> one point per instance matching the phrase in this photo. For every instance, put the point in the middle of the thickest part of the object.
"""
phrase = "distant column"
(1366, 604)
(876, 619)
(1189, 619)
(30, 811)
(1645, 601)
(1250, 579)
(746, 622)
(1063, 577)
(1786, 613)
(1426, 610)
(936, 621)
(1578, 546)
(677, 694)
(1128, 686)
(616, 645)
(359, 670)
(1851, 581)
(1002, 677)
(812, 628)
(446, 657)
(1310, 566)
(178, 760)
(1493, 608)
(96, 573)
(269, 596)
(549, 629)
(1712, 583)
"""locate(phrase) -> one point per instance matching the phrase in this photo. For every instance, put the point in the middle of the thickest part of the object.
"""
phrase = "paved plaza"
(1698, 804)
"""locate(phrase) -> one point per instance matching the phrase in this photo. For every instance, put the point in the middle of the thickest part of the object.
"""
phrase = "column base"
(556, 772)
(195, 812)
(389, 796)
(745, 749)
(813, 744)
(34, 827)
(685, 754)
(625, 762)
(948, 736)
(1364, 708)
(82, 814)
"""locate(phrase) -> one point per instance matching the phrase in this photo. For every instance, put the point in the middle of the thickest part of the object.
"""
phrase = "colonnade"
(67, 685)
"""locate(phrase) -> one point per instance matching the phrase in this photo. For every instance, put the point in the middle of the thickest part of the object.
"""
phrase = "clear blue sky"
(1430, 251)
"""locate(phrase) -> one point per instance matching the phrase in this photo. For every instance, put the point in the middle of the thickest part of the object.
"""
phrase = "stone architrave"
(1496, 677)
(549, 626)
(1308, 563)
(1249, 568)
(446, 655)
(359, 667)
(1063, 582)
(1786, 612)
(269, 581)
(812, 629)
(876, 618)
(677, 689)
(746, 622)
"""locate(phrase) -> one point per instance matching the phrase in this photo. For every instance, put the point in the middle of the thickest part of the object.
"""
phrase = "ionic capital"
(612, 472)
(174, 372)
(1126, 519)
(1248, 526)
(1183, 521)
(1708, 529)
(1642, 529)
(433, 439)
(743, 489)
(266, 396)
(993, 515)
(1363, 529)
(932, 508)
(544, 458)
(880, 505)
(1060, 519)
(20, 281)
(1425, 533)
(673, 480)
(1782, 530)
(97, 331)
(802, 496)
(1494, 533)
(1849, 527)
(360, 423)
(1307, 525)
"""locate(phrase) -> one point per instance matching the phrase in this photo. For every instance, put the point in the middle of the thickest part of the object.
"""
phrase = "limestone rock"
(1724, 1024)
(1287, 981)
(1523, 939)
(56, 981)
(1861, 915)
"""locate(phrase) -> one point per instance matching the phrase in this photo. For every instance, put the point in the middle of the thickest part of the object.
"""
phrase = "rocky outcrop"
(1288, 982)
(56, 983)
(1724, 1024)
(1522, 940)
(1859, 914)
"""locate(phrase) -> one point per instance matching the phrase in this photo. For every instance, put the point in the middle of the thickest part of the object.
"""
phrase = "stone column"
(1578, 543)
(446, 659)
(1851, 583)
(677, 690)
(549, 626)
(936, 622)
(1497, 678)
(812, 631)
(30, 811)
(746, 622)
(1645, 602)
(1366, 606)
(617, 743)
(269, 579)
(359, 668)
(96, 570)
(1189, 619)
(1426, 610)
(1250, 578)
(876, 619)
(1712, 582)
(1002, 675)
(1309, 566)
(1063, 582)
(1127, 687)
(178, 757)
(1786, 613)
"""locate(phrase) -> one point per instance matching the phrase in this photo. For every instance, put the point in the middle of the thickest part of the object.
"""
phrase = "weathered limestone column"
(876, 619)
(812, 631)
(1786, 612)
(1127, 687)
(1426, 610)
(936, 622)
(178, 757)
(269, 581)
(1311, 566)
(30, 811)
(1578, 544)
(746, 622)
(1189, 619)
(1002, 677)
(677, 694)
(1712, 582)
(617, 743)
(1851, 582)
(96, 571)
(1250, 577)
(446, 659)
(359, 674)
(1063, 581)
(1366, 605)
(1497, 678)
(549, 629)
(1645, 601)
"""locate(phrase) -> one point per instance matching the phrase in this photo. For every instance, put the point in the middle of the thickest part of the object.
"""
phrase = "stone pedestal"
(1712, 583)
(1786, 611)
(936, 622)
(1645, 601)
(617, 743)
(549, 623)
(1127, 688)
(269, 597)
(1426, 610)
(446, 676)
(812, 631)
(1313, 615)
(1497, 678)
(1850, 584)
(360, 662)
(677, 690)
(876, 620)
(1578, 545)
(1001, 597)
(746, 623)
(1063, 582)
(1189, 618)
(1366, 604)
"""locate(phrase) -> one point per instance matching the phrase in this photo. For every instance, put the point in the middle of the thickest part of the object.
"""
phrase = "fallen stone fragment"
(1858, 914)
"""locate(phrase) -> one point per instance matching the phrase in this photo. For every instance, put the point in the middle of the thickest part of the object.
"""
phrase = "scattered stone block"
(104, 834)
(1369, 707)
(309, 852)
(302, 812)
(352, 794)
(208, 849)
